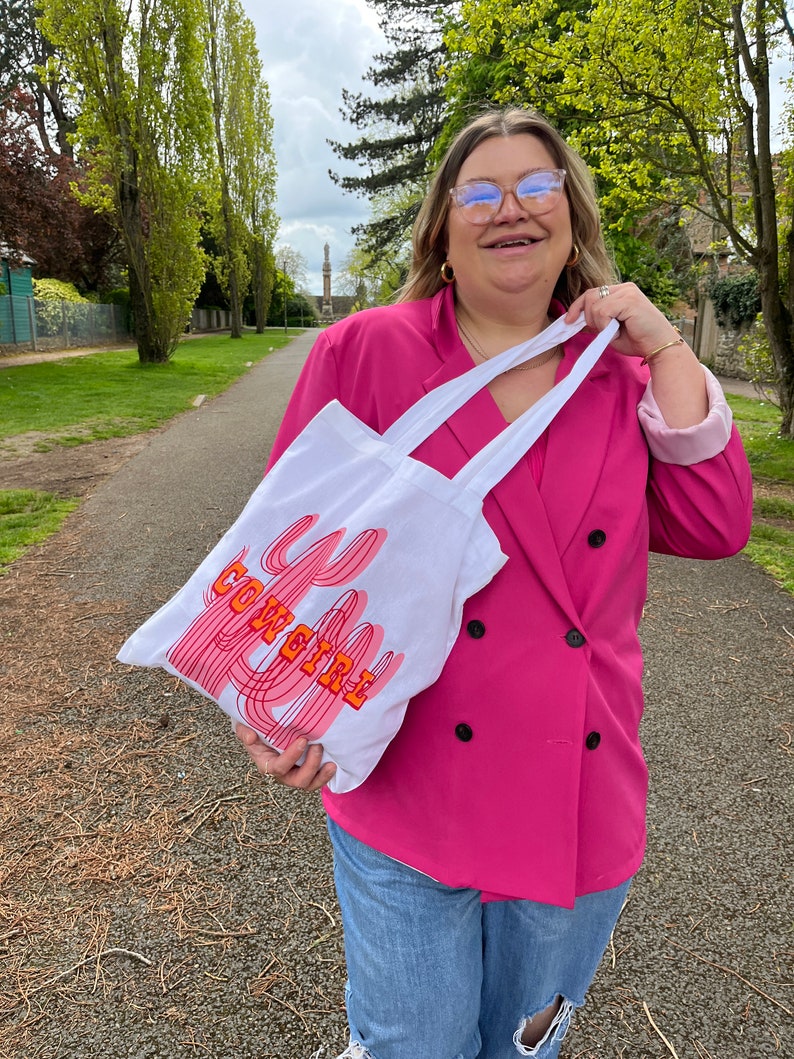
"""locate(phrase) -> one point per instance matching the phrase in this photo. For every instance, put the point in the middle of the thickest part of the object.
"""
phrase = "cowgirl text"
(306, 673)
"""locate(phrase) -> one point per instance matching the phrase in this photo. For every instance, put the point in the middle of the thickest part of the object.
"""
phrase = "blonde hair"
(594, 265)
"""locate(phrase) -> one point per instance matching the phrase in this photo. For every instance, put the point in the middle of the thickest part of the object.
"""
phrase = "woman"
(482, 866)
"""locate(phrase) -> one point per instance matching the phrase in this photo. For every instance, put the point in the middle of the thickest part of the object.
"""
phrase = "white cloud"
(310, 51)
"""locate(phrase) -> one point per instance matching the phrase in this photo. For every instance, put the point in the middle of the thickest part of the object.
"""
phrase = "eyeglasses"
(537, 193)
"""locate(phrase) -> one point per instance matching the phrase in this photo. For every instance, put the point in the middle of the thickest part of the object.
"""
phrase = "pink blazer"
(519, 772)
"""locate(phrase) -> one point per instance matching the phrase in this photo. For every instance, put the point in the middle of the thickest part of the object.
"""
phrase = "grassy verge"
(82, 399)
(28, 517)
(772, 462)
(105, 395)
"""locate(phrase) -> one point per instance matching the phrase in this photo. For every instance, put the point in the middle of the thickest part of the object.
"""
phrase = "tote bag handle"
(504, 451)
(429, 412)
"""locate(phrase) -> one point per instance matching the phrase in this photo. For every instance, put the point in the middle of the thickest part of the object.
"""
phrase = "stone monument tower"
(327, 311)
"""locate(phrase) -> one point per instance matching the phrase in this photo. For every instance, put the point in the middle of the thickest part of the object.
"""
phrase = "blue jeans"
(434, 972)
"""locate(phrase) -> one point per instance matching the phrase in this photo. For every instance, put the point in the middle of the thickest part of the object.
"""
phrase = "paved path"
(701, 953)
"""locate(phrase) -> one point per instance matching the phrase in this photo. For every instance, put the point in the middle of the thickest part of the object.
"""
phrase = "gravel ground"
(158, 898)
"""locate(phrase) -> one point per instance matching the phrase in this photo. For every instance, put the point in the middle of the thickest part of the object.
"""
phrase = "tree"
(401, 122)
(144, 126)
(243, 141)
(264, 274)
(39, 214)
(677, 104)
(293, 264)
(28, 65)
(38, 211)
(290, 279)
(369, 280)
(259, 195)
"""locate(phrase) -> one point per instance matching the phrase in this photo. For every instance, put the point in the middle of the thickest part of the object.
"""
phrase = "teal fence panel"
(15, 318)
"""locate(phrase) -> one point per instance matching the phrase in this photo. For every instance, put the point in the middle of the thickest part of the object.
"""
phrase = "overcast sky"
(311, 50)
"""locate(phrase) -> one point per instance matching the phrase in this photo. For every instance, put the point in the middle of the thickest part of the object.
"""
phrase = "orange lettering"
(246, 595)
(274, 617)
(323, 648)
(357, 697)
(296, 642)
(336, 672)
(227, 577)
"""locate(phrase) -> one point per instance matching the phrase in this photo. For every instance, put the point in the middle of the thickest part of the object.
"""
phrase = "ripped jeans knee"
(549, 1044)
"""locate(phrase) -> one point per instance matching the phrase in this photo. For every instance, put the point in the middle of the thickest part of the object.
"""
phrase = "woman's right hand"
(283, 767)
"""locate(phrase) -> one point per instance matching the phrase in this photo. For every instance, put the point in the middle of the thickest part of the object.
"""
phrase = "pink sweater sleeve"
(700, 490)
(687, 445)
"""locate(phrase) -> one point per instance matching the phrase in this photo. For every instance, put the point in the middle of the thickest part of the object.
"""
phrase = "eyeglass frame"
(504, 189)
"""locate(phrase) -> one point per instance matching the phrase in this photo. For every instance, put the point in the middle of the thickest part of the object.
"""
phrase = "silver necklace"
(537, 362)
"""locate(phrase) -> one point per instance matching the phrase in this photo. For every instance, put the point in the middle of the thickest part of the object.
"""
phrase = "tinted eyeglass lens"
(537, 193)
(480, 202)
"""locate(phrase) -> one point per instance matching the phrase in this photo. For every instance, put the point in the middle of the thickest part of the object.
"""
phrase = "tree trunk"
(149, 346)
(235, 303)
(778, 326)
(260, 306)
(147, 333)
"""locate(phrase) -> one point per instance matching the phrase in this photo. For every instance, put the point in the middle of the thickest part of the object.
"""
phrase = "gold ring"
(603, 291)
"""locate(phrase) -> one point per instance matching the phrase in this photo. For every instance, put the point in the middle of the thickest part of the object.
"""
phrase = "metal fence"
(38, 324)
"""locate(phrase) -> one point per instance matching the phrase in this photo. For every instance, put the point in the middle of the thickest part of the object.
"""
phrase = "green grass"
(774, 507)
(771, 456)
(773, 549)
(81, 399)
(28, 517)
(771, 459)
(105, 395)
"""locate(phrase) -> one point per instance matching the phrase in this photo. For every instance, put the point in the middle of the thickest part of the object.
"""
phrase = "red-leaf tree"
(39, 213)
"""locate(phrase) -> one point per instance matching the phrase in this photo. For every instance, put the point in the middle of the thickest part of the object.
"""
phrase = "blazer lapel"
(517, 495)
(578, 442)
(543, 521)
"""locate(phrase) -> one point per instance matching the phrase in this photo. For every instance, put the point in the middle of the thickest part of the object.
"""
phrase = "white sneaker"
(354, 1050)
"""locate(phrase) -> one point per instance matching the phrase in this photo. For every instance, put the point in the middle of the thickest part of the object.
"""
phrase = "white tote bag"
(338, 593)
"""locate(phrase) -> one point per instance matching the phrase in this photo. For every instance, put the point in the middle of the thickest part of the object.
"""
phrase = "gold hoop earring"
(574, 258)
(447, 272)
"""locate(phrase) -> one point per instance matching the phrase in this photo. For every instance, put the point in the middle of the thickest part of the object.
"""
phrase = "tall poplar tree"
(258, 193)
(244, 144)
(145, 126)
(244, 135)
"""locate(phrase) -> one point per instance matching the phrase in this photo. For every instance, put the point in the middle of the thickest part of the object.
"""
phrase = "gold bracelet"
(675, 342)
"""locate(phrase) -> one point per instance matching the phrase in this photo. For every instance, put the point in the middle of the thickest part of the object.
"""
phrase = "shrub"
(736, 299)
(56, 290)
(50, 295)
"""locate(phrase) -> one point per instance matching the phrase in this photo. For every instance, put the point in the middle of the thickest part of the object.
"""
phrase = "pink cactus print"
(307, 675)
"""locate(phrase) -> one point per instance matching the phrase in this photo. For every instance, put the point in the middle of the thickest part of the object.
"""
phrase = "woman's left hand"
(643, 327)
(679, 384)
